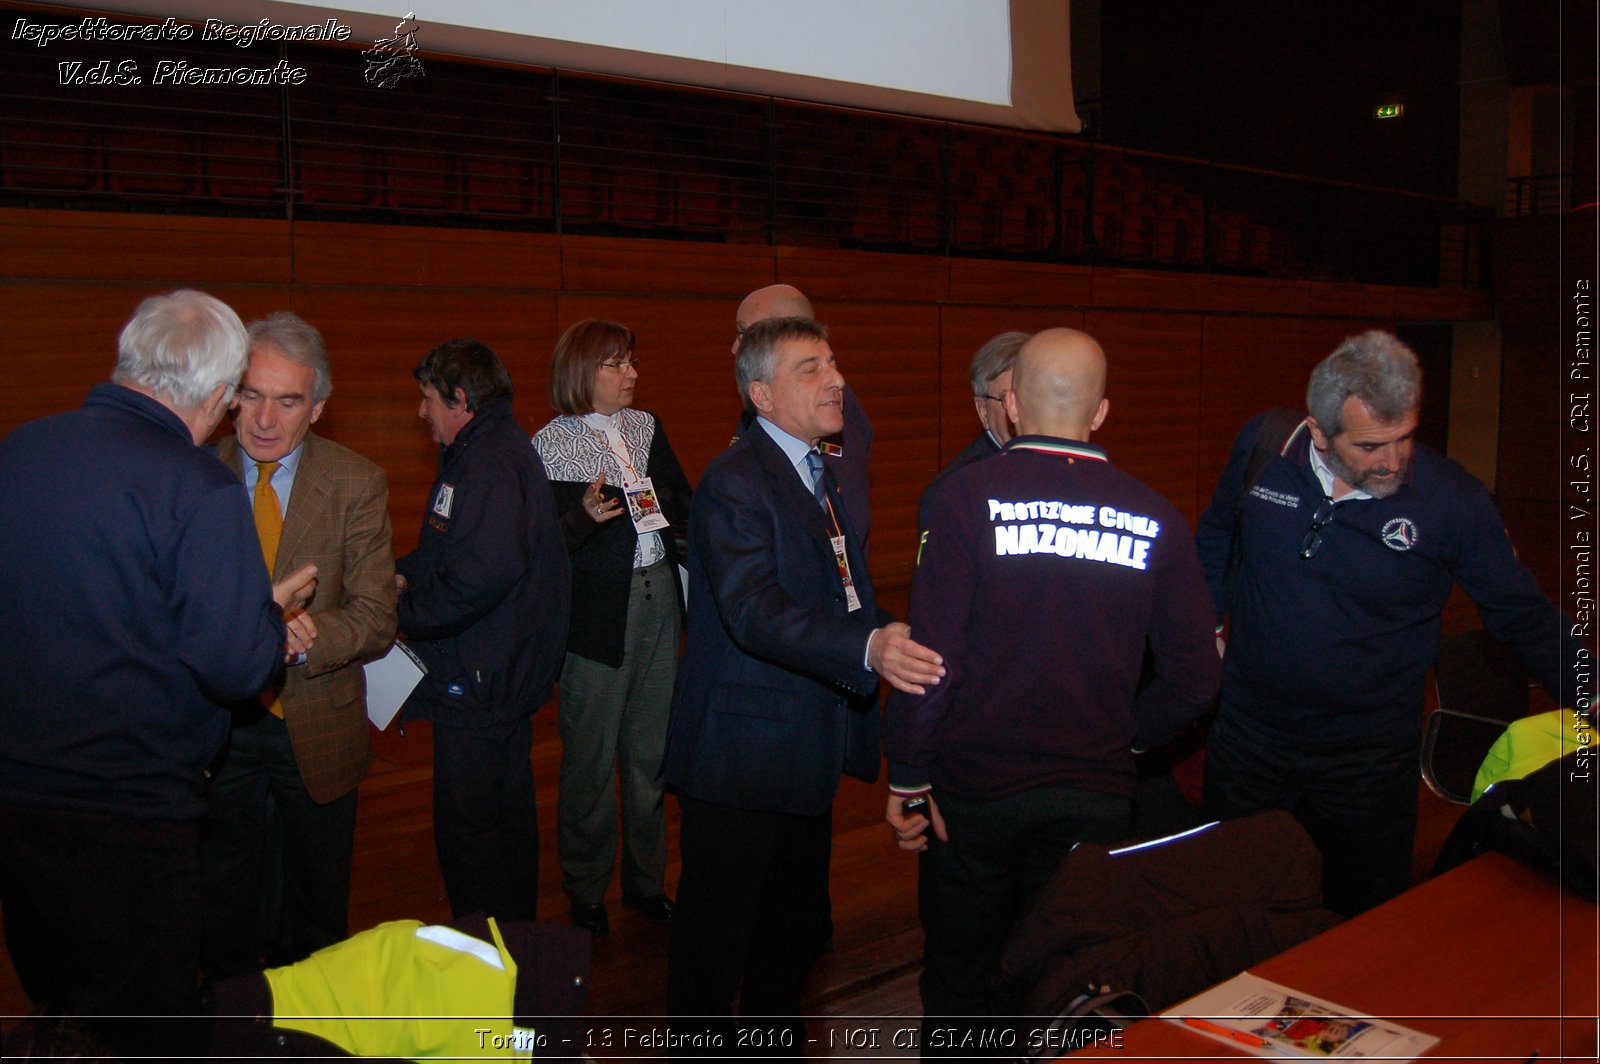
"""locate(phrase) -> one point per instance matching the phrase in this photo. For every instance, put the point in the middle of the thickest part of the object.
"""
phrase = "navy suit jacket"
(850, 467)
(773, 698)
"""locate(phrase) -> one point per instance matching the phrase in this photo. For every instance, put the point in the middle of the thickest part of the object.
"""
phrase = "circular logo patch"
(1400, 534)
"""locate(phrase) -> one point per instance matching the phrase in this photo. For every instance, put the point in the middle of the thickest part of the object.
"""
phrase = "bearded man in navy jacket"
(1347, 545)
(1045, 573)
(775, 693)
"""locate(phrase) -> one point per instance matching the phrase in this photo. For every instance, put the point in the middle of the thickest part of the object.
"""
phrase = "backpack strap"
(1277, 428)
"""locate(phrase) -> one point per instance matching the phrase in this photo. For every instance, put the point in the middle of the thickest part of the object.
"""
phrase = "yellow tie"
(269, 519)
(269, 526)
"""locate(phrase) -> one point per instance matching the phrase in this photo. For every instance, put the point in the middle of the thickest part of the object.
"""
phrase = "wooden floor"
(870, 973)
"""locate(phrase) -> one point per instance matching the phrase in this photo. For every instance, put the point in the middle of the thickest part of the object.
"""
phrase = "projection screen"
(1000, 62)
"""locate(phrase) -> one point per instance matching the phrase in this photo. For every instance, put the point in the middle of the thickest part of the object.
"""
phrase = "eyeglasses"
(623, 364)
(740, 328)
(996, 398)
(1319, 520)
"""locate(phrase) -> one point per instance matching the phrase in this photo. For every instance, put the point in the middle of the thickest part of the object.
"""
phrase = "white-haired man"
(139, 600)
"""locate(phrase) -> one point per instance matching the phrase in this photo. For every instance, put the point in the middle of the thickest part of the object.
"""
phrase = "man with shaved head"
(1043, 575)
(846, 452)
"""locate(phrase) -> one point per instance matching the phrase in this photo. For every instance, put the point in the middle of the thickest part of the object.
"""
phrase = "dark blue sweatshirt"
(136, 600)
(1044, 573)
(1336, 646)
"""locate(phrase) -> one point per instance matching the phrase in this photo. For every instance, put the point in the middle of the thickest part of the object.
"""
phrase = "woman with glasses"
(624, 505)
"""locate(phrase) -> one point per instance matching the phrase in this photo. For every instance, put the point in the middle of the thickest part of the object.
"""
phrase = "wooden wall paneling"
(61, 340)
(1432, 304)
(1153, 366)
(1346, 299)
(1134, 289)
(168, 251)
(1258, 295)
(1532, 391)
(1536, 311)
(375, 339)
(962, 330)
(828, 274)
(1321, 335)
(1248, 365)
(890, 355)
(685, 366)
(986, 281)
(340, 253)
(602, 264)
(1539, 307)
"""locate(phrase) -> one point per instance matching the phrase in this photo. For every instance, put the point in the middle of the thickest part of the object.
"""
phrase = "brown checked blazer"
(338, 520)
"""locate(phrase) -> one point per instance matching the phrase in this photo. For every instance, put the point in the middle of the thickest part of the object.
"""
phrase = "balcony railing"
(478, 145)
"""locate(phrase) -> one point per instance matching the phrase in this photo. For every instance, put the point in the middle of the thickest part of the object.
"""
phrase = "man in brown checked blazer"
(275, 857)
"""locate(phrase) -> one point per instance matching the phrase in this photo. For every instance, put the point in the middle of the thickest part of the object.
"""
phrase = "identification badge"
(851, 599)
(445, 500)
(643, 506)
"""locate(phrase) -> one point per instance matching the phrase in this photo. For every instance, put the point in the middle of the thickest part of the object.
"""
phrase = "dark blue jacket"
(487, 589)
(137, 602)
(1044, 576)
(1336, 646)
(773, 699)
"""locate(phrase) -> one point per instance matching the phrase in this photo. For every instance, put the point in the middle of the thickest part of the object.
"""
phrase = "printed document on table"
(1275, 1021)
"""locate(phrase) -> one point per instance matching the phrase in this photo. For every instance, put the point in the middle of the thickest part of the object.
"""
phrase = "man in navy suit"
(775, 694)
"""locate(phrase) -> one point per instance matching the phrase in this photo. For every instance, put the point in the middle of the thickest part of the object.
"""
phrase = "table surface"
(1494, 958)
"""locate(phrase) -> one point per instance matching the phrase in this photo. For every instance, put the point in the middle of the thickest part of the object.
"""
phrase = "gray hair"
(757, 359)
(181, 345)
(300, 342)
(1377, 369)
(998, 354)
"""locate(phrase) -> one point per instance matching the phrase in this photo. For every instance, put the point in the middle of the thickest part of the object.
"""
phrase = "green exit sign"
(1389, 110)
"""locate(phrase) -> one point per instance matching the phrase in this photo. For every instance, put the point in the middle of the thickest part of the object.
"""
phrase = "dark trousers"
(1357, 801)
(100, 921)
(274, 863)
(971, 889)
(485, 820)
(752, 913)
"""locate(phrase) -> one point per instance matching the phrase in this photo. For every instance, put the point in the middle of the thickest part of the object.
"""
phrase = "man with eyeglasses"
(846, 452)
(1345, 546)
(991, 380)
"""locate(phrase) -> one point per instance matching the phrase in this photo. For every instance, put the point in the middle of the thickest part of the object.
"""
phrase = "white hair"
(181, 345)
